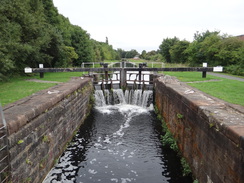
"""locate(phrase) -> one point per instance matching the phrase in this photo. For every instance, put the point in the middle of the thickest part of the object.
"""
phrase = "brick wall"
(209, 132)
(40, 126)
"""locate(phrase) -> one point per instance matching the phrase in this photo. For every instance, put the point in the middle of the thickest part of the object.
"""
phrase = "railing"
(4, 150)
(111, 64)
(133, 80)
(106, 68)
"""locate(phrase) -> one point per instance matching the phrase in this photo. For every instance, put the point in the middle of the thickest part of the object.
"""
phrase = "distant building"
(241, 37)
(136, 57)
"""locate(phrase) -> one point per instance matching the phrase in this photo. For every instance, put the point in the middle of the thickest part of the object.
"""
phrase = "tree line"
(33, 32)
(210, 47)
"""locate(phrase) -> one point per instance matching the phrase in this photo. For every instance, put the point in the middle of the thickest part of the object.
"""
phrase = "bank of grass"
(225, 89)
(58, 76)
(18, 87)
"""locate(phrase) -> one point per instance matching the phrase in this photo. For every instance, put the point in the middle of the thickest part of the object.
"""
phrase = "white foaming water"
(129, 104)
(99, 98)
(117, 96)
(109, 143)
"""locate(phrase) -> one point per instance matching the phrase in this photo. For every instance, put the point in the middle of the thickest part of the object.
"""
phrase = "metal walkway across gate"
(124, 73)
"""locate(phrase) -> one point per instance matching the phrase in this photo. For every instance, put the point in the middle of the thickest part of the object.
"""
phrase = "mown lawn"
(228, 90)
(225, 89)
(18, 87)
(59, 76)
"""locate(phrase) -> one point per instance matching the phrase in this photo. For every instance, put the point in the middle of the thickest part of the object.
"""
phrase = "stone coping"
(224, 117)
(19, 113)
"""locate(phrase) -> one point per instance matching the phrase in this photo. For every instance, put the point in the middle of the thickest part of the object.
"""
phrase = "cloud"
(138, 24)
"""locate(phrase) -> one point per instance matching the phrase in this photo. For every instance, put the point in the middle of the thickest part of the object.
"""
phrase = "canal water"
(119, 143)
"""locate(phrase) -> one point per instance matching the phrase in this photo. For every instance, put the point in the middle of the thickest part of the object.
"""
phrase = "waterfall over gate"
(117, 96)
(119, 142)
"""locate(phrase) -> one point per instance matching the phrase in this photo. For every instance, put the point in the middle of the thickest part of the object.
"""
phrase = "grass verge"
(225, 89)
(58, 76)
(18, 87)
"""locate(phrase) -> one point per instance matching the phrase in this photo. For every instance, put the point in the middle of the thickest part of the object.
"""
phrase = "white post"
(204, 64)
(218, 69)
(28, 70)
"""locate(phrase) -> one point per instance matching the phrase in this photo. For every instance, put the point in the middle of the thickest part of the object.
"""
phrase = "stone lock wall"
(40, 126)
(208, 131)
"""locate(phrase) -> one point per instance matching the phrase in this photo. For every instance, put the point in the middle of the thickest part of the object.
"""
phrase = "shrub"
(235, 70)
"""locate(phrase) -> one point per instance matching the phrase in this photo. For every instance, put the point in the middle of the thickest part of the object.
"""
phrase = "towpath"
(42, 81)
(226, 76)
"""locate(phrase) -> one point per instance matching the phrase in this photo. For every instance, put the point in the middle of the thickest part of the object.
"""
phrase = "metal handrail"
(2, 114)
(5, 169)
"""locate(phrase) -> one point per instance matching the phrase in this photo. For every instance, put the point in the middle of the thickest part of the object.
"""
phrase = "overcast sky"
(143, 24)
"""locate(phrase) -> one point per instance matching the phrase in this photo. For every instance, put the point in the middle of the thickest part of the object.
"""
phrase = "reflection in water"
(118, 143)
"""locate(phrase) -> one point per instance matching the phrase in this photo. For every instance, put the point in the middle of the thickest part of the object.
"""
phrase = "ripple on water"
(116, 144)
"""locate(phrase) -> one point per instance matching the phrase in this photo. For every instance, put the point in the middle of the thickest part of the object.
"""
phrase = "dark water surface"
(120, 144)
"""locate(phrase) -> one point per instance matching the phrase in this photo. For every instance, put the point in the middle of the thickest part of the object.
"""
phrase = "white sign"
(218, 69)
(40, 65)
(204, 64)
(28, 70)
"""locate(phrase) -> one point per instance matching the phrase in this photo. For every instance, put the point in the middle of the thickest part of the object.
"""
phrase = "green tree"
(143, 54)
(210, 47)
(6, 65)
(177, 52)
(131, 54)
(230, 51)
(65, 29)
(70, 55)
(199, 37)
(164, 48)
(121, 53)
(197, 51)
(231, 55)
(82, 44)
(51, 12)
(27, 21)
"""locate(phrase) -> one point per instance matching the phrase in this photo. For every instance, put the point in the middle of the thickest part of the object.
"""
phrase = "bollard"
(41, 73)
(204, 73)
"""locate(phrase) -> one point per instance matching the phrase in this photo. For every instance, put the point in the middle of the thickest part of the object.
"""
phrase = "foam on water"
(113, 150)
(117, 96)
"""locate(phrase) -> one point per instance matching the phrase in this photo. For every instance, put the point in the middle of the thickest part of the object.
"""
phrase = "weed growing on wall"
(20, 141)
(186, 168)
(179, 116)
(168, 140)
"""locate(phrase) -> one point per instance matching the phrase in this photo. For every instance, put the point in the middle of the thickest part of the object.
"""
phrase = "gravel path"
(225, 76)
(42, 81)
